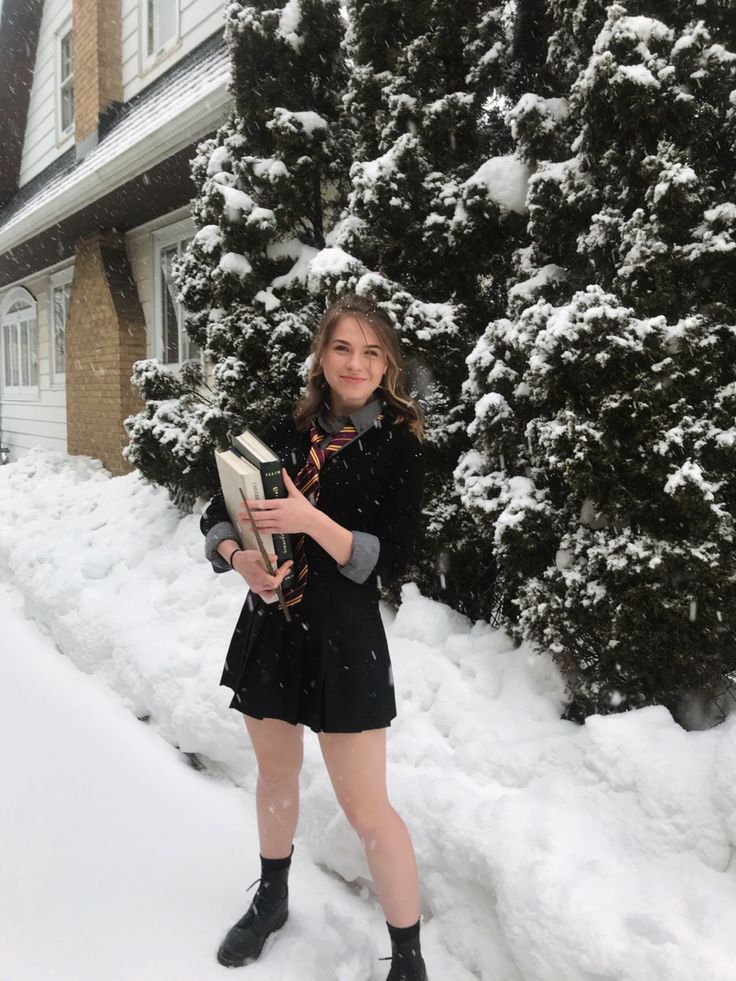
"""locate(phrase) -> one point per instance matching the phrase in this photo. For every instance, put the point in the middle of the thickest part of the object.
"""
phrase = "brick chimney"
(98, 71)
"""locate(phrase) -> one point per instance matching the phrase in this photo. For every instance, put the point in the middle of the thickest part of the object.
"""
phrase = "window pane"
(169, 318)
(150, 19)
(14, 365)
(23, 328)
(8, 329)
(66, 56)
(61, 307)
(192, 351)
(67, 106)
(33, 353)
(165, 21)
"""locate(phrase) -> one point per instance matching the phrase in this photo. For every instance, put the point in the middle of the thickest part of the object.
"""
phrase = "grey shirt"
(365, 548)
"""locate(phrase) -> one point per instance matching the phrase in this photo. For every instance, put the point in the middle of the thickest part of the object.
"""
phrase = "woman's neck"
(336, 411)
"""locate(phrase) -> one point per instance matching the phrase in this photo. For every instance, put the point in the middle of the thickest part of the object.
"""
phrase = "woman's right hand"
(249, 564)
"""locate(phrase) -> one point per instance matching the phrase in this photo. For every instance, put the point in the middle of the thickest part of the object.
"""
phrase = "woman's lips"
(347, 378)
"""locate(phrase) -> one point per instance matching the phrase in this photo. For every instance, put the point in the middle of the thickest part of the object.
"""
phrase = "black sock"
(275, 864)
(402, 934)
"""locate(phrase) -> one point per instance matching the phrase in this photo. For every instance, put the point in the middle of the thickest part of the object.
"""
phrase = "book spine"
(273, 487)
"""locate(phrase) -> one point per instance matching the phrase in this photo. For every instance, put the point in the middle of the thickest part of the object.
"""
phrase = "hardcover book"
(251, 466)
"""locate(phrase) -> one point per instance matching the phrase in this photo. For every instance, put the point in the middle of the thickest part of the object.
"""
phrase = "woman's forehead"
(356, 329)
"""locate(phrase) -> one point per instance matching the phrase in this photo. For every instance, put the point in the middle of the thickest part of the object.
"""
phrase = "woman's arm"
(334, 539)
(387, 553)
(401, 512)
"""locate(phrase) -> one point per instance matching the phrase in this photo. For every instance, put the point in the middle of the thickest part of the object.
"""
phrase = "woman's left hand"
(281, 516)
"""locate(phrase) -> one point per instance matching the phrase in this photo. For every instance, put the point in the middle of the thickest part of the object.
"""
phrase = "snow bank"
(547, 851)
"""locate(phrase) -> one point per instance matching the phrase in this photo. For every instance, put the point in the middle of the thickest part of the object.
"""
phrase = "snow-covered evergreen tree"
(381, 167)
(435, 206)
(272, 182)
(604, 463)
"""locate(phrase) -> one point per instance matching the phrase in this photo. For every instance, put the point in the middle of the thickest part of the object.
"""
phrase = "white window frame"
(19, 393)
(63, 135)
(178, 234)
(150, 58)
(59, 280)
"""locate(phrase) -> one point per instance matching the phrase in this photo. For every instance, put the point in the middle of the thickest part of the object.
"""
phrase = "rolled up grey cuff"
(221, 532)
(363, 558)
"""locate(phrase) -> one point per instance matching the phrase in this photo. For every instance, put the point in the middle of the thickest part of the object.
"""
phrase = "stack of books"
(253, 468)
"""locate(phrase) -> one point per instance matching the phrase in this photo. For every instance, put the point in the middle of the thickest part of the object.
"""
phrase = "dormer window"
(160, 27)
(65, 82)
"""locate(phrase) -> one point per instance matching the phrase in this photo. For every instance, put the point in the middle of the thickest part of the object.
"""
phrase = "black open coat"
(330, 667)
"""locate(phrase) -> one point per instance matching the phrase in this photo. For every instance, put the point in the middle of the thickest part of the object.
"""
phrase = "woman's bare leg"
(356, 762)
(279, 748)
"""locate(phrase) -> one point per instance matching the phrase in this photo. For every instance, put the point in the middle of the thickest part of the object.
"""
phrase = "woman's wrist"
(333, 538)
(226, 548)
(233, 556)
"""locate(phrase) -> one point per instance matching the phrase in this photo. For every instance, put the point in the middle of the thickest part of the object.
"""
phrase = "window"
(65, 82)
(173, 345)
(61, 287)
(19, 345)
(160, 26)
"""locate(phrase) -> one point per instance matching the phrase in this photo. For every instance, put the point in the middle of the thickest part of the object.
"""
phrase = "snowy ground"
(547, 852)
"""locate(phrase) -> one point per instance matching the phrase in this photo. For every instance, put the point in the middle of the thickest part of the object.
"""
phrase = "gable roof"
(185, 103)
(20, 23)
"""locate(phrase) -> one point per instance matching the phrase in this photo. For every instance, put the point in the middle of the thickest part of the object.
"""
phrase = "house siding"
(40, 145)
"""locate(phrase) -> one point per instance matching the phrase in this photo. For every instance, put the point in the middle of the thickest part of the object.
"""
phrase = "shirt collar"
(362, 418)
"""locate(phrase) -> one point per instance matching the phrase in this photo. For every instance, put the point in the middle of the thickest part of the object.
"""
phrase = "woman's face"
(353, 364)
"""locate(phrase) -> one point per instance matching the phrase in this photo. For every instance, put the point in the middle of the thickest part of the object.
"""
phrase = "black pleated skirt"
(328, 669)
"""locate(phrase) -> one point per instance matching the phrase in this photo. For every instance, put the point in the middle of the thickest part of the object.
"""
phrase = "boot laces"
(407, 972)
(255, 908)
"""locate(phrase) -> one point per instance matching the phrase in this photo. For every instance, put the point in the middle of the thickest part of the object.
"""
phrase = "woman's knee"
(277, 773)
(367, 819)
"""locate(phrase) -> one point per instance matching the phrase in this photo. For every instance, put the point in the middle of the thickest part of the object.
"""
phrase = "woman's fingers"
(266, 582)
(258, 509)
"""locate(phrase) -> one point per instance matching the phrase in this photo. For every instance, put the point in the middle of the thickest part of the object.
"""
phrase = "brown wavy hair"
(393, 386)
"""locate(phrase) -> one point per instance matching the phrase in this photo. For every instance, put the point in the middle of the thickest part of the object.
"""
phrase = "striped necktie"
(307, 481)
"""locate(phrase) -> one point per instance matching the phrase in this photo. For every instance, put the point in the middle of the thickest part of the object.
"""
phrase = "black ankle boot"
(407, 963)
(267, 913)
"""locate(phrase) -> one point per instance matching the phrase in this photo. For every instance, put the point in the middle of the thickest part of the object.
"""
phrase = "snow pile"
(547, 851)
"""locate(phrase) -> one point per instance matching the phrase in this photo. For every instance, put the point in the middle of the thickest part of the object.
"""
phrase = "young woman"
(353, 467)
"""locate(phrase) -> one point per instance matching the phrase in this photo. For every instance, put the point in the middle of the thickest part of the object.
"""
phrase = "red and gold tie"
(307, 481)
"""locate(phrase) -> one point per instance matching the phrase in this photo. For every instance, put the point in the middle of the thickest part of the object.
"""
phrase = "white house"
(102, 105)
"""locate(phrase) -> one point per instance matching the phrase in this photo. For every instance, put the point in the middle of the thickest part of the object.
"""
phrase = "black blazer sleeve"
(214, 513)
(401, 510)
